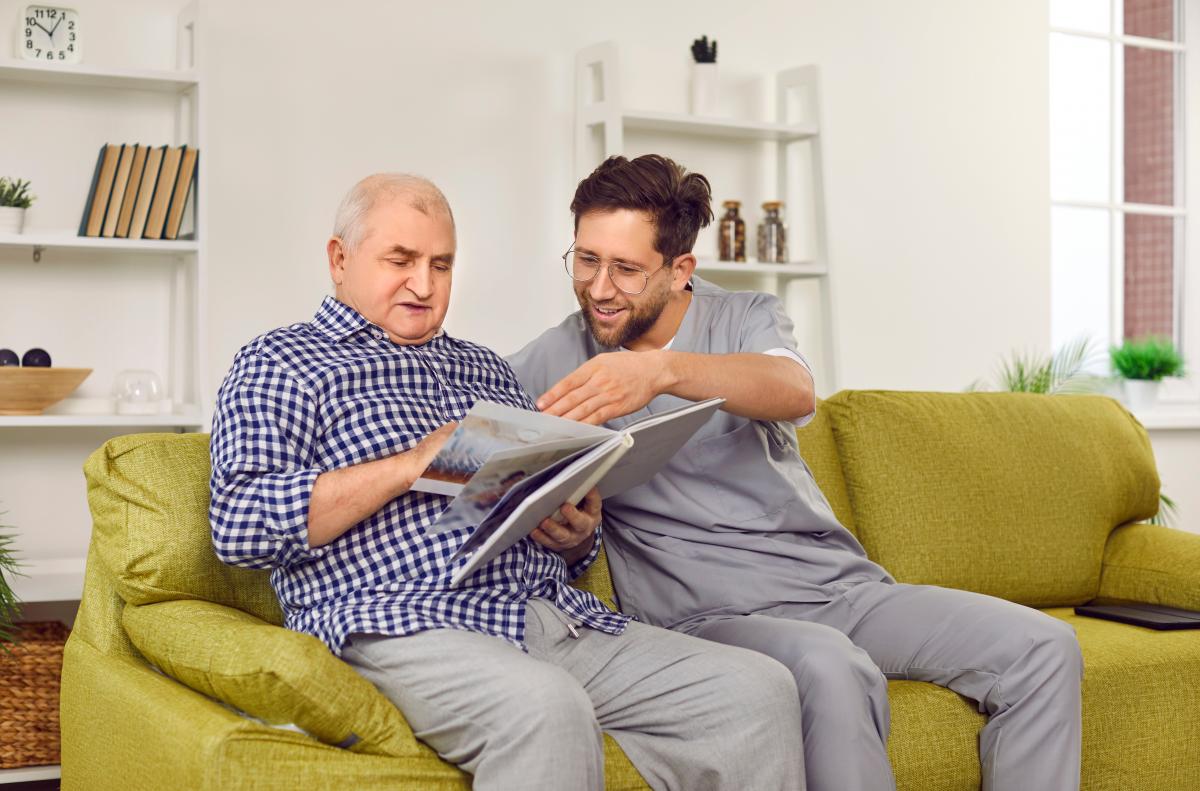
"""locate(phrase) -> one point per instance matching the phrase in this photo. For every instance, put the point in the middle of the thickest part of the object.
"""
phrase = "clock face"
(50, 34)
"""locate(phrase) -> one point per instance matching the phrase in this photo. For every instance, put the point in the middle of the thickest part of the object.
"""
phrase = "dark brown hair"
(679, 202)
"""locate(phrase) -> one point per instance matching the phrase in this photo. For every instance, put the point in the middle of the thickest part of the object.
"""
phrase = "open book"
(509, 469)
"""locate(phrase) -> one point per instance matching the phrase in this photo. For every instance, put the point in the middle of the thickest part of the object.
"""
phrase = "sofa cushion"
(149, 499)
(1141, 705)
(1008, 494)
(277, 675)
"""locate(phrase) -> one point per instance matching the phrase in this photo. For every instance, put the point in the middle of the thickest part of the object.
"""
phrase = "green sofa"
(1035, 499)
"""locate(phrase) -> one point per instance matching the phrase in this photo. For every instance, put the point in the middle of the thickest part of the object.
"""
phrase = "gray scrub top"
(735, 522)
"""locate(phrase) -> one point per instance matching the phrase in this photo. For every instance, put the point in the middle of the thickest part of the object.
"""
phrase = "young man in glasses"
(734, 542)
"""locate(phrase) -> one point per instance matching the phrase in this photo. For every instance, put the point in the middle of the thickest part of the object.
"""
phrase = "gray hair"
(421, 194)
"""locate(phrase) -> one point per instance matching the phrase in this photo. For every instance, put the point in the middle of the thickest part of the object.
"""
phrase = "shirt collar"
(339, 321)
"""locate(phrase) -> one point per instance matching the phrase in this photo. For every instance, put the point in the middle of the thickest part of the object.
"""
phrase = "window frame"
(1184, 391)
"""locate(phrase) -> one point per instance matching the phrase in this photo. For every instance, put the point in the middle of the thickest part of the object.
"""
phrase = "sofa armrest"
(1152, 564)
(127, 727)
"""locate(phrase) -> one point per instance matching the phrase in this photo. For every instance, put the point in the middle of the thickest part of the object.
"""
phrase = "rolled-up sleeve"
(262, 443)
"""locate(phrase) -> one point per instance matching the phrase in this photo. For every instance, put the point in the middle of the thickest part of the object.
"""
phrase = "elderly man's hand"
(606, 387)
(572, 538)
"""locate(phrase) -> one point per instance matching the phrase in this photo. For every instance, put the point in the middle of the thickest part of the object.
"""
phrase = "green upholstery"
(1008, 494)
(1022, 496)
(277, 675)
(1151, 564)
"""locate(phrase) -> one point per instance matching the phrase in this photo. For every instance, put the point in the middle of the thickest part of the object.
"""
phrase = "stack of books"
(140, 192)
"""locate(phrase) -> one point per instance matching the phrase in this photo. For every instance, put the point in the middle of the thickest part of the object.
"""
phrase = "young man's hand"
(572, 538)
(607, 386)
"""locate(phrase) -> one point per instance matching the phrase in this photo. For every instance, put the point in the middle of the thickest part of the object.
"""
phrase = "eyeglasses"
(583, 267)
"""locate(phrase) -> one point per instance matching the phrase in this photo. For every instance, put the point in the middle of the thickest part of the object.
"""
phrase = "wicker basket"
(29, 678)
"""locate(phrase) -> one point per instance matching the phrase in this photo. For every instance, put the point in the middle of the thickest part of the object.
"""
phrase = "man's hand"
(607, 386)
(573, 538)
(423, 453)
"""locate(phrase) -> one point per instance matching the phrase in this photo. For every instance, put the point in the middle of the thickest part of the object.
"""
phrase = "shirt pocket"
(741, 475)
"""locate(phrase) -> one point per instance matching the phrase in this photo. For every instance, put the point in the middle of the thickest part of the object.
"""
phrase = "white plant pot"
(12, 219)
(1141, 394)
(704, 88)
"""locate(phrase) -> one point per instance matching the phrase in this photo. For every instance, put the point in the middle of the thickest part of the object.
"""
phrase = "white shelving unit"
(45, 452)
(603, 125)
(30, 774)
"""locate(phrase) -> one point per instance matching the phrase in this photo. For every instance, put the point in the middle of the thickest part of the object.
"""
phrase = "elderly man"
(734, 542)
(320, 430)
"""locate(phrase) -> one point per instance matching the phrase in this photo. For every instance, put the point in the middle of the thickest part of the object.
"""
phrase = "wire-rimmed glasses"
(583, 268)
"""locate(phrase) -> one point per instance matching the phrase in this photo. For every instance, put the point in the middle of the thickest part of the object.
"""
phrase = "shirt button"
(378, 334)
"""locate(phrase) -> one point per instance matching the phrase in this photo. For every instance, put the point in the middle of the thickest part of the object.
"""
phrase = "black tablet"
(1152, 616)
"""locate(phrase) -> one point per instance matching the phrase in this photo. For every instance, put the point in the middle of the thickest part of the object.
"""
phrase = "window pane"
(1150, 18)
(1080, 115)
(1149, 126)
(1149, 275)
(1094, 16)
(1080, 301)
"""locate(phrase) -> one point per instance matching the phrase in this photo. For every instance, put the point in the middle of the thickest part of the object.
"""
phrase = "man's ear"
(681, 271)
(337, 259)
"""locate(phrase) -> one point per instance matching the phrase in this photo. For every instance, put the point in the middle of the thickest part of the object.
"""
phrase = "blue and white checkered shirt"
(314, 397)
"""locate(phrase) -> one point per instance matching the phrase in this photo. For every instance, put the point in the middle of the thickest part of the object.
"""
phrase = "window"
(1118, 75)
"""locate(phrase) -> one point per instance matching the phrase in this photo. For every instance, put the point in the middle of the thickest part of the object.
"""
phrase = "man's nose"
(602, 287)
(420, 283)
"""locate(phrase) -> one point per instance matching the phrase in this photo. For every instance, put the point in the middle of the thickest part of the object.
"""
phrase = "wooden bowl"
(27, 391)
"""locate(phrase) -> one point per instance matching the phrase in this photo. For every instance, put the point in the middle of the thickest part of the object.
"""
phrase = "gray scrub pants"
(689, 714)
(1021, 666)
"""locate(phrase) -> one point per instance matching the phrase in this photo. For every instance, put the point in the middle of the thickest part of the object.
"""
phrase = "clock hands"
(56, 24)
(47, 32)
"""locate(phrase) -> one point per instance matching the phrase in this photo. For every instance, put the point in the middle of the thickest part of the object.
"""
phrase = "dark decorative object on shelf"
(36, 358)
(9, 357)
(703, 51)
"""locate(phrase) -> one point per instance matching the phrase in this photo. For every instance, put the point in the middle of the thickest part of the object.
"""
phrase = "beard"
(639, 318)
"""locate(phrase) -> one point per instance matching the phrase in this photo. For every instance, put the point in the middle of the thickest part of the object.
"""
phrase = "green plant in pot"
(15, 198)
(8, 599)
(1143, 364)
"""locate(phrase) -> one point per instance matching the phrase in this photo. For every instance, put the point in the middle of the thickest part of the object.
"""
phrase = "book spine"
(87, 206)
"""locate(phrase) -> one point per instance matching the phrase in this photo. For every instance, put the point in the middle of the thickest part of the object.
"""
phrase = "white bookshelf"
(724, 128)
(86, 76)
(40, 241)
(30, 774)
(103, 303)
(188, 418)
(604, 126)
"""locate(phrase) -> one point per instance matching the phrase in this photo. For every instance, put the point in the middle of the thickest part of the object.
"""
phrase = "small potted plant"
(8, 599)
(1143, 364)
(14, 200)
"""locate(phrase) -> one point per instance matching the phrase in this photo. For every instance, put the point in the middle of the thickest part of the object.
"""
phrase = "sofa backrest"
(1008, 494)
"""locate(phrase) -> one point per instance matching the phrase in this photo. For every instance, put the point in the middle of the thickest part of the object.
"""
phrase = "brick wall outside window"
(1149, 171)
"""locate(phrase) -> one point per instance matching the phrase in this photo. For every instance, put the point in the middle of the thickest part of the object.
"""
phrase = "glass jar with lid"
(732, 233)
(772, 235)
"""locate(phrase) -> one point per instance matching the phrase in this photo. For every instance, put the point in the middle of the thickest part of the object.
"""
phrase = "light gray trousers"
(1021, 666)
(690, 714)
